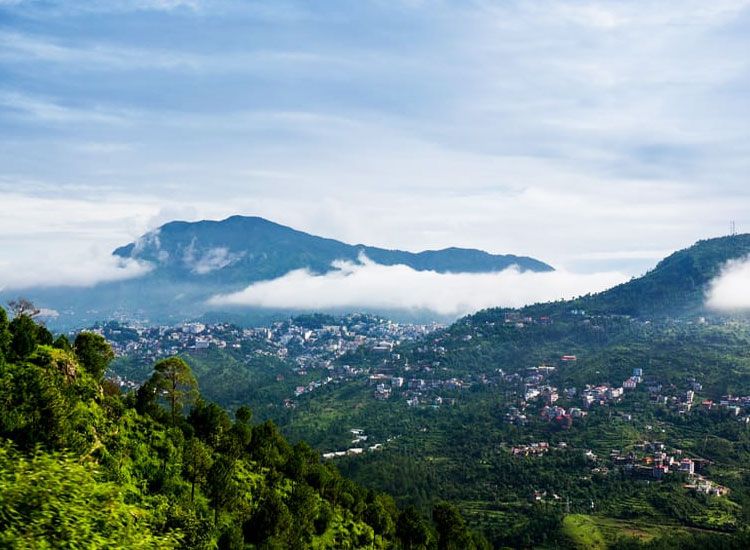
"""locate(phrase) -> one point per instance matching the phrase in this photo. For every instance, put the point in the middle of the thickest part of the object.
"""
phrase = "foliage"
(93, 352)
(5, 335)
(24, 337)
(82, 465)
(173, 380)
(49, 500)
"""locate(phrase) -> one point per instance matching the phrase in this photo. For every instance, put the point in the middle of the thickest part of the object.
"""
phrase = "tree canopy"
(83, 465)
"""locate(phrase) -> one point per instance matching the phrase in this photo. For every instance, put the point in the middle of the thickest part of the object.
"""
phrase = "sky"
(595, 136)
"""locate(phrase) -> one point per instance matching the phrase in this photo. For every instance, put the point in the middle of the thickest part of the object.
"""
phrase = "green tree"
(221, 485)
(271, 520)
(303, 505)
(94, 353)
(209, 421)
(5, 335)
(412, 529)
(269, 446)
(173, 378)
(301, 461)
(196, 463)
(451, 529)
(379, 518)
(44, 336)
(244, 414)
(62, 342)
(23, 332)
(48, 400)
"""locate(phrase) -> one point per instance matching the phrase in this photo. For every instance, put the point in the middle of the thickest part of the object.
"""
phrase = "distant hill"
(675, 287)
(193, 261)
(248, 249)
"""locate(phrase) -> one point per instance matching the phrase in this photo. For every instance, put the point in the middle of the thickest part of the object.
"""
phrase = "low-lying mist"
(730, 291)
(375, 286)
(68, 269)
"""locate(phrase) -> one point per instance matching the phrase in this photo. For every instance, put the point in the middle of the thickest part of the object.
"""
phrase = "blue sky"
(592, 135)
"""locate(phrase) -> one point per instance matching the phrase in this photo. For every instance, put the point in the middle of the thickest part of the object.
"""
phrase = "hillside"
(525, 425)
(676, 287)
(461, 411)
(82, 465)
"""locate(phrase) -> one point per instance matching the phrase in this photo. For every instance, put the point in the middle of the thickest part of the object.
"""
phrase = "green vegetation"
(83, 466)
(583, 532)
(461, 453)
(450, 459)
(676, 286)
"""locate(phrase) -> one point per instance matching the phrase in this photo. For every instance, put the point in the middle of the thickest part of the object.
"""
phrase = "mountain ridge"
(241, 245)
(675, 287)
(193, 261)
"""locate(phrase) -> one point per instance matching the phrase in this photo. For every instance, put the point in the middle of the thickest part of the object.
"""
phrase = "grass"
(594, 532)
(583, 532)
(612, 528)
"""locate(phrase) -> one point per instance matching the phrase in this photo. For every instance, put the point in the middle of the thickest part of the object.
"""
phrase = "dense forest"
(83, 465)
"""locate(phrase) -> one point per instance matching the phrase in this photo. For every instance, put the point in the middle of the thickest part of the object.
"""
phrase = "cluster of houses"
(304, 345)
(653, 459)
(415, 391)
(312, 386)
(603, 394)
(289, 338)
(632, 382)
(685, 400)
(517, 320)
(359, 446)
(532, 449)
(734, 405)
(154, 343)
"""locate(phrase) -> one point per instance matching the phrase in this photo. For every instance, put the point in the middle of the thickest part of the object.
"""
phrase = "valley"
(524, 419)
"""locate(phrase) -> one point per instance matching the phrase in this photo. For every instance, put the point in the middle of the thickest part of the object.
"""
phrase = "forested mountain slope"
(246, 249)
(82, 465)
(676, 286)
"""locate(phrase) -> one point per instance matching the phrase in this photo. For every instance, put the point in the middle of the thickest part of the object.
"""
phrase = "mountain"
(676, 287)
(193, 261)
(246, 249)
(507, 426)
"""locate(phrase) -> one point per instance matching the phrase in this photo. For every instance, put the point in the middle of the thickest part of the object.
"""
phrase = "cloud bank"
(82, 270)
(369, 285)
(730, 291)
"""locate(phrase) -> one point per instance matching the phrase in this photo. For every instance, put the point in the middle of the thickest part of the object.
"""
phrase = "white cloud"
(62, 269)
(730, 291)
(580, 132)
(65, 241)
(206, 261)
(102, 148)
(371, 285)
(16, 47)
